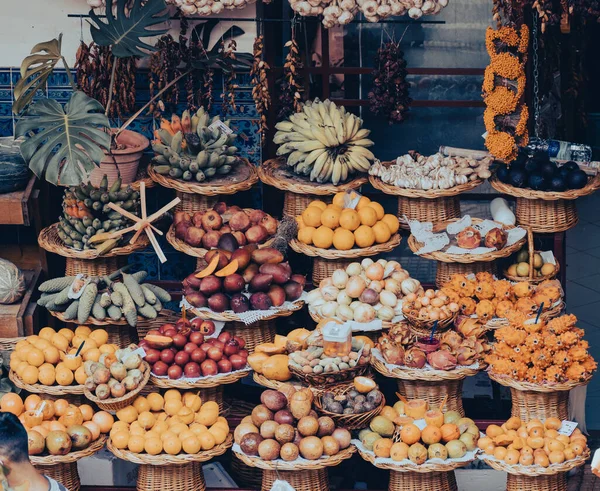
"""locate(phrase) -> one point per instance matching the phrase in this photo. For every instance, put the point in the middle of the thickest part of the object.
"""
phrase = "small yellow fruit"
(312, 216)
(392, 222)
(323, 237)
(338, 199)
(350, 220)
(368, 216)
(343, 240)
(364, 236)
(378, 209)
(382, 232)
(330, 218)
(305, 235)
(362, 202)
(319, 204)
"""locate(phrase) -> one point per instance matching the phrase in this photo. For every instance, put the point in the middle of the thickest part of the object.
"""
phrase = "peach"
(211, 220)
(239, 222)
(256, 234)
(211, 239)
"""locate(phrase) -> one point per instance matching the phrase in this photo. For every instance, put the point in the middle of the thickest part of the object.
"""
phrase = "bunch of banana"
(194, 148)
(324, 142)
(103, 298)
(86, 213)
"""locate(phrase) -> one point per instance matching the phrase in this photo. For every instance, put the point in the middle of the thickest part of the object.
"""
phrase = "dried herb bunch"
(94, 65)
(389, 95)
(165, 65)
(290, 98)
(227, 53)
(260, 85)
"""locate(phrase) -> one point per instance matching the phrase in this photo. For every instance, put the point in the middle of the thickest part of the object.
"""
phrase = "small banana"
(319, 134)
(319, 164)
(337, 171)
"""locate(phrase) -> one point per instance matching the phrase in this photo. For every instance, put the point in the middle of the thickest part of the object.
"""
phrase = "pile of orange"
(173, 423)
(49, 358)
(326, 226)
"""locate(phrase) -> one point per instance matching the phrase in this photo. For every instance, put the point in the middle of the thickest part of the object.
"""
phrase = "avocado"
(558, 184)
(564, 172)
(537, 182)
(517, 177)
(532, 165)
(577, 179)
(571, 165)
(502, 174)
(548, 169)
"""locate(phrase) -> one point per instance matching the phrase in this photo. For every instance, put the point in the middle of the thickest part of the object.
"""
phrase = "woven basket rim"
(592, 186)
(423, 375)
(265, 173)
(165, 459)
(464, 258)
(392, 190)
(312, 465)
(422, 469)
(231, 317)
(345, 376)
(530, 387)
(312, 251)
(347, 419)
(91, 320)
(428, 324)
(51, 242)
(204, 383)
(536, 470)
(71, 456)
(54, 390)
(127, 397)
(532, 252)
(8, 344)
(206, 188)
(318, 318)
(200, 252)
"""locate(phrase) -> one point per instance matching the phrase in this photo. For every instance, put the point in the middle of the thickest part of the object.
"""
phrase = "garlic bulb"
(195, 7)
(415, 171)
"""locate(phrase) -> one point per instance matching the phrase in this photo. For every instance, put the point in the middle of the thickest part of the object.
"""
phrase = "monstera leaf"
(35, 70)
(66, 142)
(124, 32)
(202, 32)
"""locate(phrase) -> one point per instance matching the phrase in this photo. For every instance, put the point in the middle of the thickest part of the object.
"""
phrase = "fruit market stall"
(282, 292)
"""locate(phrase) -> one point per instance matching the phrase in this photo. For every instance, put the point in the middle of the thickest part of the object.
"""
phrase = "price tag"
(140, 351)
(280, 485)
(222, 127)
(77, 287)
(567, 428)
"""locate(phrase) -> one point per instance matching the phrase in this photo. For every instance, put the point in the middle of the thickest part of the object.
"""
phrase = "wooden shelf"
(19, 319)
(15, 207)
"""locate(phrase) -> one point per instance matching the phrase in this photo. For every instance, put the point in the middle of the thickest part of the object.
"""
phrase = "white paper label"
(351, 202)
(280, 485)
(77, 287)
(222, 127)
(140, 351)
(567, 428)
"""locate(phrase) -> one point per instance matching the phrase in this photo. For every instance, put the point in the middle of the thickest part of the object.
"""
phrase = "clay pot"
(127, 160)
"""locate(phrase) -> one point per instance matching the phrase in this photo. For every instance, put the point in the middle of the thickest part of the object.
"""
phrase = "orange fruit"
(300, 222)
(136, 444)
(364, 236)
(146, 420)
(334, 207)
(80, 376)
(35, 357)
(343, 240)
(31, 375)
(362, 202)
(47, 375)
(153, 446)
(382, 232)
(64, 376)
(51, 355)
(207, 440)
(11, 403)
(47, 333)
(141, 404)
(92, 355)
(172, 406)
(392, 222)
(172, 394)
(67, 333)
(192, 445)
(120, 439)
(172, 446)
(331, 218)
(368, 216)
(312, 216)
(83, 331)
(305, 235)
(60, 342)
(100, 336)
(32, 401)
(319, 204)
(338, 199)
(323, 237)
(155, 401)
(378, 209)
(350, 220)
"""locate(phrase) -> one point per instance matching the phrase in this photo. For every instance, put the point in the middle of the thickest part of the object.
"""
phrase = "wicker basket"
(297, 467)
(244, 475)
(299, 191)
(114, 404)
(165, 317)
(538, 401)
(90, 320)
(348, 421)
(422, 328)
(200, 252)
(258, 333)
(242, 178)
(415, 481)
(335, 254)
(53, 390)
(200, 383)
(323, 380)
(8, 344)
(531, 279)
(324, 268)
(308, 480)
(445, 271)
(230, 316)
(427, 210)
(51, 242)
(191, 203)
(546, 211)
(375, 334)
(421, 375)
(95, 267)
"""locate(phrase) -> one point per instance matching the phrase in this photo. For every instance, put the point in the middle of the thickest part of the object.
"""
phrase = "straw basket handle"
(531, 251)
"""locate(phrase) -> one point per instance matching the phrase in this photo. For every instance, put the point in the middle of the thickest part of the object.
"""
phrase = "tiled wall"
(244, 121)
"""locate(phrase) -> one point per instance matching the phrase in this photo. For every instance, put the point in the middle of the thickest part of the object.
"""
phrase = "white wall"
(23, 23)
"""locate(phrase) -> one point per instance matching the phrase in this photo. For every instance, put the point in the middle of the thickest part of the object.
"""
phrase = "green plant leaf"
(35, 70)
(123, 32)
(66, 143)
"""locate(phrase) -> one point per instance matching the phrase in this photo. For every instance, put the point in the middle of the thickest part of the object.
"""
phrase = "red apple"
(167, 356)
(237, 362)
(165, 327)
(160, 368)
(224, 337)
(215, 354)
(182, 358)
(241, 341)
(179, 340)
(170, 333)
(224, 366)
(205, 347)
(152, 355)
(144, 344)
(218, 344)
(196, 337)
(207, 328)
(243, 353)
(175, 372)
(231, 347)
(189, 348)
(155, 332)
(198, 355)
(195, 323)
(192, 370)
(209, 367)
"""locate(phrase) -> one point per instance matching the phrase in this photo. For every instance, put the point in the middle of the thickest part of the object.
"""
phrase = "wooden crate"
(16, 206)
(20, 319)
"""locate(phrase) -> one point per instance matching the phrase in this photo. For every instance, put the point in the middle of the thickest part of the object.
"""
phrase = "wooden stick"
(156, 245)
(164, 209)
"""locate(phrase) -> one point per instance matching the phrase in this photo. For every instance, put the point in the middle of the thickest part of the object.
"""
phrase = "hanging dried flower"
(290, 98)
(389, 95)
(260, 86)
(227, 54)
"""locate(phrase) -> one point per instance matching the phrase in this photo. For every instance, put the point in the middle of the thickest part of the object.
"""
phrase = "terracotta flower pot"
(126, 159)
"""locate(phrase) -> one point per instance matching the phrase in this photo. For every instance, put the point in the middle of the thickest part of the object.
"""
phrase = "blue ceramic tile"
(145, 261)
(61, 95)
(243, 110)
(143, 126)
(59, 78)
(6, 126)
(5, 109)
(6, 94)
(5, 77)
(248, 139)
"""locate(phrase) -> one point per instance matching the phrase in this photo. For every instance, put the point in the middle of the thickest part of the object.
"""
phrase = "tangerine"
(331, 217)
(343, 240)
(305, 235)
(136, 444)
(11, 403)
(319, 204)
(67, 333)
(191, 445)
(155, 401)
(120, 439)
(362, 202)
(172, 446)
(364, 236)
(323, 237)
(350, 220)
(338, 199)
(153, 446)
(368, 216)
(378, 209)
(312, 216)
(47, 333)
(382, 232)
